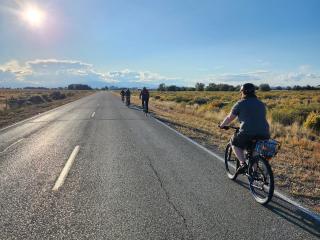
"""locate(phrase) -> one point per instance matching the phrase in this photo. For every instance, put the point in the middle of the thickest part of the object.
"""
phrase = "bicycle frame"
(257, 165)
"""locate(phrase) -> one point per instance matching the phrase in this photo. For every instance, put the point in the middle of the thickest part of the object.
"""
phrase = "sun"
(34, 16)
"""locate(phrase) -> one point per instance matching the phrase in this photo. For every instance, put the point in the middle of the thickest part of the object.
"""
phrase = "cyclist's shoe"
(242, 169)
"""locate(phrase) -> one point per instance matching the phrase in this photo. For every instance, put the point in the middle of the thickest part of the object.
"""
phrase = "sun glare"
(34, 16)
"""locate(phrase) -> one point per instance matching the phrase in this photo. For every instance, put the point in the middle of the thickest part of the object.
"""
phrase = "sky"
(141, 42)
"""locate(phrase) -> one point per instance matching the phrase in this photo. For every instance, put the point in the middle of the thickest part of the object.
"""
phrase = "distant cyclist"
(251, 113)
(144, 96)
(122, 93)
(127, 95)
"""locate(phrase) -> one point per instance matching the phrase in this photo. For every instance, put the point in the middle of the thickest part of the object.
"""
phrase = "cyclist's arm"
(228, 120)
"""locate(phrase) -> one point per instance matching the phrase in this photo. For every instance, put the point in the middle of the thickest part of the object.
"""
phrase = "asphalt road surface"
(133, 178)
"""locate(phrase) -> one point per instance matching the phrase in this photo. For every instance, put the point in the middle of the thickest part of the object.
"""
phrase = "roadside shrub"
(157, 97)
(289, 116)
(57, 95)
(46, 97)
(217, 104)
(200, 101)
(16, 103)
(313, 121)
(269, 96)
(180, 99)
(36, 99)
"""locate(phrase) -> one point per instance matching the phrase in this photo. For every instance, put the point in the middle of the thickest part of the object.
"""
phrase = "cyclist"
(144, 96)
(122, 95)
(251, 113)
(128, 95)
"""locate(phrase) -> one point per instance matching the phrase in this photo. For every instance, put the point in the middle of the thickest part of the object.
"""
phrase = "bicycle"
(145, 108)
(258, 172)
(127, 101)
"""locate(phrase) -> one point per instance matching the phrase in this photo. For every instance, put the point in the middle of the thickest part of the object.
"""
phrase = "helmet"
(248, 88)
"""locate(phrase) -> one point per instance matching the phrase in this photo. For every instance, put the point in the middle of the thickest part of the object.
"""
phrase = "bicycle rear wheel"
(231, 162)
(261, 181)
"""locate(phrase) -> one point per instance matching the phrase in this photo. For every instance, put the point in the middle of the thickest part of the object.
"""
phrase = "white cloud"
(56, 66)
(54, 72)
(302, 76)
(13, 67)
(127, 75)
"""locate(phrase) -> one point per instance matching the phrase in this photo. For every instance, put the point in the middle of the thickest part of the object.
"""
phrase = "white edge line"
(92, 115)
(277, 193)
(16, 142)
(40, 114)
(66, 169)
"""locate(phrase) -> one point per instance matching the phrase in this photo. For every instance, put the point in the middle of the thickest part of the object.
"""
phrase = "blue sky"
(148, 42)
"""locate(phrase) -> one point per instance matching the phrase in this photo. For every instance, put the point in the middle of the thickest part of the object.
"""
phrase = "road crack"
(170, 202)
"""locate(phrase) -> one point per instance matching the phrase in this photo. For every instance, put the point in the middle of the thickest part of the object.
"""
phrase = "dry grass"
(11, 115)
(296, 167)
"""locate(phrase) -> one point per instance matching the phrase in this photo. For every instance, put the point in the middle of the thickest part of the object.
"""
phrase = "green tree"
(162, 87)
(264, 87)
(200, 86)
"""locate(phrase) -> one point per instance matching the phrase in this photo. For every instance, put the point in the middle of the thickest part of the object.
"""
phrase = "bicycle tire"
(268, 181)
(231, 162)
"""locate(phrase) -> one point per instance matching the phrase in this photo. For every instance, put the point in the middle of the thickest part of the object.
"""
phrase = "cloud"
(138, 76)
(236, 78)
(14, 68)
(50, 73)
(54, 65)
(54, 72)
(298, 78)
(303, 76)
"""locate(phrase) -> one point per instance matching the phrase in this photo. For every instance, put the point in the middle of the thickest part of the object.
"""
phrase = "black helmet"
(247, 88)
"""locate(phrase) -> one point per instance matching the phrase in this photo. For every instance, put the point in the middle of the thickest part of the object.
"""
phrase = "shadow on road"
(290, 213)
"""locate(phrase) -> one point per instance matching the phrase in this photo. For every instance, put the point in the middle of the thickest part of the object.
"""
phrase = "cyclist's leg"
(239, 143)
(143, 104)
(146, 102)
(239, 152)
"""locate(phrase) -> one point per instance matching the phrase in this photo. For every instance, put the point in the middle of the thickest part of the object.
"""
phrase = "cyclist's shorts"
(244, 141)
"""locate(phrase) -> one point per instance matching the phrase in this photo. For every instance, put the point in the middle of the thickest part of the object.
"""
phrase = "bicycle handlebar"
(228, 127)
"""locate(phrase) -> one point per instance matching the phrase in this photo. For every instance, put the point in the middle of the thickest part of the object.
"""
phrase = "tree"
(173, 88)
(264, 87)
(211, 87)
(162, 87)
(79, 87)
(200, 86)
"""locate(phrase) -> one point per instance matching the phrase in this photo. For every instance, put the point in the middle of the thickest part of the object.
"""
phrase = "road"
(133, 178)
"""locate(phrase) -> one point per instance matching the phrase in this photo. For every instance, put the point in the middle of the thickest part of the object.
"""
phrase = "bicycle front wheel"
(261, 181)
(231, 162)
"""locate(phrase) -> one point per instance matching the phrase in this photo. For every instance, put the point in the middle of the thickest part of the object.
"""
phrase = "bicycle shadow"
(290, 213)
(138, 108)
